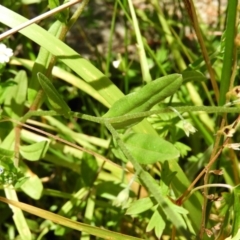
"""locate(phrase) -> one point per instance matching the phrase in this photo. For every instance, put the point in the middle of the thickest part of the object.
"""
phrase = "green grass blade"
(41, 64)
(140, 46)
(106, 234)
(228, 54)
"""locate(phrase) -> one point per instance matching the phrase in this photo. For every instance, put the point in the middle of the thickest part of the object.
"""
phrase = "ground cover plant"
(119, 120)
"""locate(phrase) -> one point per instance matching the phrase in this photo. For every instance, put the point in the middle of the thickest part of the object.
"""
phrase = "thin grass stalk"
(228, 53)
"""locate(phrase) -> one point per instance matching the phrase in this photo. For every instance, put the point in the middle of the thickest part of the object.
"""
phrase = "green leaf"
(16, 96)
(89, 168)
(148, 149)
(63, 15)
(33, 187)
(179, 209)
(236, 237)
(193, 75)
(34, 151)
(182, 148)
(166, 178)
(6, 153)
(140, 206)
(20, 182)
(41, 64)
(6, 160)
(54, 98)
(144, 99)
(3, 89)
(236, 210)
(157, 223)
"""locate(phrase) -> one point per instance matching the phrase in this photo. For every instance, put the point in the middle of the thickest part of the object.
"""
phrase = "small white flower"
(188, 128)
(122, 198)
(116, 63)
(234, 146)
(5, 53)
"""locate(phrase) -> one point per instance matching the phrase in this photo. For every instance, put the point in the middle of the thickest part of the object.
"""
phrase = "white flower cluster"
(5, 53)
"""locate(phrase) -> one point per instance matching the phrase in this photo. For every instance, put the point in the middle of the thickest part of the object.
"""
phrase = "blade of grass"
(193, 16)
(106, 234)
(140, 46)
(67, 77)
(228, 53)
(109, 53)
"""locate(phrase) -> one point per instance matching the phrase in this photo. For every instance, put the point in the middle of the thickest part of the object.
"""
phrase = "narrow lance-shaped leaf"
(54, 98)
(41, 64)
(144, 99)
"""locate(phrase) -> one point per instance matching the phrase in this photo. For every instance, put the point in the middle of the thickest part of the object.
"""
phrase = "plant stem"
(134, 115)
(193, 16)
(147, 180)
(212, 160)
(228, 53)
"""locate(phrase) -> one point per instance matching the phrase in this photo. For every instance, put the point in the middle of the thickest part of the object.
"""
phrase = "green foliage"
(147, 156)
(34, 151)
(53, 96)
(9, 175)
(144, 99)
(148, 149)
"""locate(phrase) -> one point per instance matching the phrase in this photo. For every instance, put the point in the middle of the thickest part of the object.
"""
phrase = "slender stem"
(134, 115)
(206, 177)
(212, 160)
(193, 16)
(228, 53)
(110, 41)
(147, 180)
(64, 141)
(213, 185)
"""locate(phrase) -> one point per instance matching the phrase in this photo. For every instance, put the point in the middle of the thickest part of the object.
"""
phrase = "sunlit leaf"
(33, 187)
(157, 223)
(236, 210)
(53, 96)
(139, 206)
(193, 75)
(34, 151)
(144, 99)
(148, 149)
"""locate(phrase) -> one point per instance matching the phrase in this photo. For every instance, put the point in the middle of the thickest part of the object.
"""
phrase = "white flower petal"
(122, 198)
(234, 146)
(5, 53)
(116, 63)
(188, 128)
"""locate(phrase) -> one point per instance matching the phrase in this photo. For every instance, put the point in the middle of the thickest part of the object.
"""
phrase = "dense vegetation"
(119, 120)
